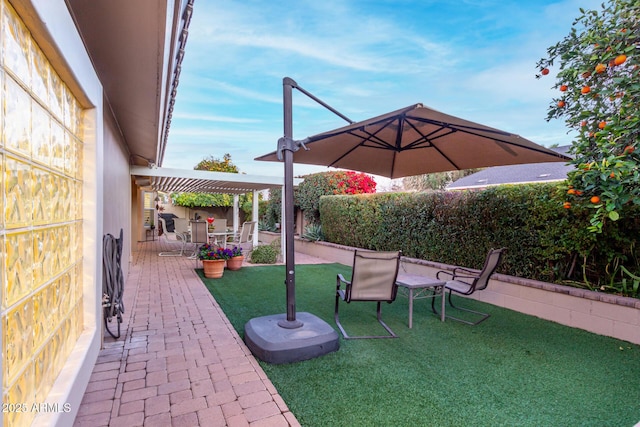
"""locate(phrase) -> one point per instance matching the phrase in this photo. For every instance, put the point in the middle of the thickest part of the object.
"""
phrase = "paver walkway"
(179, 362)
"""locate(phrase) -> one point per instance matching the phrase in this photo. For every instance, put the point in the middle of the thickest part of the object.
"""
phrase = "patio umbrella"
(411, 141)
(418, 140)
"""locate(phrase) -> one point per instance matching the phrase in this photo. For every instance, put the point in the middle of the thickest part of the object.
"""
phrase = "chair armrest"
(463, 273)
(456, 274)
(340, 279)
(443, 273)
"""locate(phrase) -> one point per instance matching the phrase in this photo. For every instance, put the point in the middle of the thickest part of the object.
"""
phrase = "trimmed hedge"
(545, 241)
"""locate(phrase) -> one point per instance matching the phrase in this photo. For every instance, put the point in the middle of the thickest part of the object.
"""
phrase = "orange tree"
(598, 80)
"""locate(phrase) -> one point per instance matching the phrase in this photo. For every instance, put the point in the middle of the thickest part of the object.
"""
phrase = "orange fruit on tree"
(586, 74)
(602, 124)
(629, 149)
(595, 199)
(600, 68)
(571, 191)
(612, 175)
(578, 193)
(564, 88)
(545, 71)
(583, 123)
(585, 90)
(561, 104)
(620, 59)
(566, 205)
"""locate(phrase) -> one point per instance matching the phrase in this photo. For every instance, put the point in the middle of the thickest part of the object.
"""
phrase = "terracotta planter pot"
(213, 269)
(235, 263)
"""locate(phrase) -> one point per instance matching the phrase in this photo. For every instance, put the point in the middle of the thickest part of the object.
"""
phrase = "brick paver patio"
(179, 362)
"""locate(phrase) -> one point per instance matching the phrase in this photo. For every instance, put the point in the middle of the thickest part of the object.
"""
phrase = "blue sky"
(471, 58)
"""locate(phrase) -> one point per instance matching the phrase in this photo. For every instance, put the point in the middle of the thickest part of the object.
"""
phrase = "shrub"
(265, 254)
(544, 240)
(317, 185)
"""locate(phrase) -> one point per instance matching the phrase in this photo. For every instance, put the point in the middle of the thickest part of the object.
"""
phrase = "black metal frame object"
(286, 147)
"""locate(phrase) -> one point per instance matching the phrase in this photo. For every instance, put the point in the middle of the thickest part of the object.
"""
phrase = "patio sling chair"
(244, 239)
(199, 236)
(466, 282)
(373, 279)
(173, 236)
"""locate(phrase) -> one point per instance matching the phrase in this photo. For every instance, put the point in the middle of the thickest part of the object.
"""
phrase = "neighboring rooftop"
(516, 174)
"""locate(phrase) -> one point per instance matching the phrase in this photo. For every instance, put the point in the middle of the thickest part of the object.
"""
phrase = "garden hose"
(112, 280)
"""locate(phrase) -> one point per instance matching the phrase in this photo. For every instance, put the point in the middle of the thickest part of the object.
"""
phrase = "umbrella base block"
(271, 343)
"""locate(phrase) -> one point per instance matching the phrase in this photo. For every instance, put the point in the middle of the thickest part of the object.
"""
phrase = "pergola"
(168, 180)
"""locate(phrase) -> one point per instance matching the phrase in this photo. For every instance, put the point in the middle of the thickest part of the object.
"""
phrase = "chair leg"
(336, 317)
(379, 316)
(484, 316)
(173, 253)
(384, 324)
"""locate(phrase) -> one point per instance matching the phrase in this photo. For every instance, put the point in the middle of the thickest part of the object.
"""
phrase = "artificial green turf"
(511, 370)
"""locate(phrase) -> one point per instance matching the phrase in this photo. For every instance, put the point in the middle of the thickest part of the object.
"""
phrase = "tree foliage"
(328, 183)
(434, 181)
(598, 80)
(213, 164)
(273, 210)
(201, 200)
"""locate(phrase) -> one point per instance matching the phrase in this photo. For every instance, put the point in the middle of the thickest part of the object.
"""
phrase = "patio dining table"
(220, 237)
(419, 287)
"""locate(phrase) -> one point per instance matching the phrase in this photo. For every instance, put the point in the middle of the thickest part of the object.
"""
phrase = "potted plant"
(235, 262)
(213, 260)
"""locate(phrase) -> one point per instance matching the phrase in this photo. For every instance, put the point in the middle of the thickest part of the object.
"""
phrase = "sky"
(475, 59)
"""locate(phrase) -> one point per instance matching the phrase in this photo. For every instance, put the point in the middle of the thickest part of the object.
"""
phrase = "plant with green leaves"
(599, 98)
(327, 183)
(213, 164)
(202, 200)
(264, 254)
(313, 232)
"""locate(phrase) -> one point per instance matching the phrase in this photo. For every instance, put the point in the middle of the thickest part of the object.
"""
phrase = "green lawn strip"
(512, 369)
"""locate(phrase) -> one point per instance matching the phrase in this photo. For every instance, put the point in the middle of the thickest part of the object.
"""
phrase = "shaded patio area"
(178, 361)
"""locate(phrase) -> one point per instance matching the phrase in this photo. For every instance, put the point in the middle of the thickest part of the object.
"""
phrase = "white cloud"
(474, 59)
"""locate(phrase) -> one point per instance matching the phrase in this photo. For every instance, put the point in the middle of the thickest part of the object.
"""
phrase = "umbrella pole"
(290, 280)
(270, 337)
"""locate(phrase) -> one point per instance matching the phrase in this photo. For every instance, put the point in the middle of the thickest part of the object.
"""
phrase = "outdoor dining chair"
(173, 236)
(466, 282)
(244, 239)
(199, 236)
(373, 278)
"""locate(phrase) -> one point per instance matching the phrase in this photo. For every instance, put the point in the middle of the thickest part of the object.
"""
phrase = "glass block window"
(41, 141)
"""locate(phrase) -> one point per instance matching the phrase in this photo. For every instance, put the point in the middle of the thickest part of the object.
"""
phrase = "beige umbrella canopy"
(418, 140)
(412, 141)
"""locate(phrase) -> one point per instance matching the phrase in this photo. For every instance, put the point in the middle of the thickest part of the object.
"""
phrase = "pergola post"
(236, 213)
(255, 212)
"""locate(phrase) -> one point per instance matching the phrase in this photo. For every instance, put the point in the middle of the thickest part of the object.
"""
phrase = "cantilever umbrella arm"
(286, 147)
